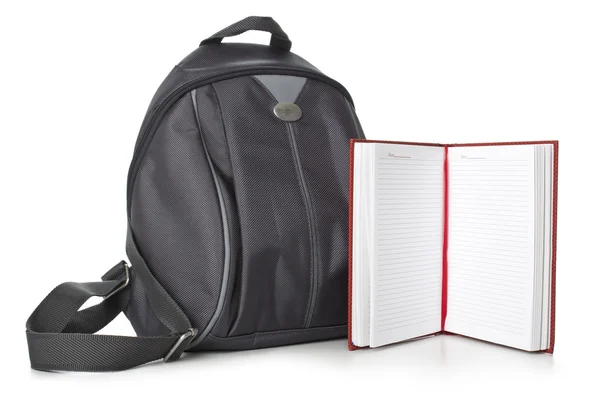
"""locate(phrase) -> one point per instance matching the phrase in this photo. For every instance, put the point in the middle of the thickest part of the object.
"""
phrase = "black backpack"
(237, 202)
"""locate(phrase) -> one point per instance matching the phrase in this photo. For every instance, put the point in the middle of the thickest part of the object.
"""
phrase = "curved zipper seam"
(231, 271)
(222, 119)
(311, 224)
(226, 238)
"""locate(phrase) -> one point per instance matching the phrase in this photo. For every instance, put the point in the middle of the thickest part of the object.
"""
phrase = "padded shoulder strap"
(60, 337)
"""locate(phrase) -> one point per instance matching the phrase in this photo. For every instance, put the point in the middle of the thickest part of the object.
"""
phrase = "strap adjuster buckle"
(122, 285)
(183, 338)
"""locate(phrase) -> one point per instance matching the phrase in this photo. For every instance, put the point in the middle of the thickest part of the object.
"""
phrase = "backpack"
(237, 201)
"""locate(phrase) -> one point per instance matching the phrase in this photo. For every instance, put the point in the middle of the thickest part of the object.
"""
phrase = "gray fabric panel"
(285, 88)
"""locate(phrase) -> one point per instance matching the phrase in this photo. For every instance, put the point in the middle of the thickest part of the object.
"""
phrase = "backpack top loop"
(279, 38)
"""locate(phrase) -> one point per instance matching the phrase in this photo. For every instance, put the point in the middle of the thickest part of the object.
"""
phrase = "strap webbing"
(266, 24)
(60, 337)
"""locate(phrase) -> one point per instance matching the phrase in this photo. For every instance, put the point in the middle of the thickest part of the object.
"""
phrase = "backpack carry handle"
(279, 38)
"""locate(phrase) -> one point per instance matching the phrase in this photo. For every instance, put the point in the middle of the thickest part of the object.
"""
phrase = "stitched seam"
(269, 333)
(231, 271)
(225, 232)
(315, 243)
(316, 261)
(306, 200)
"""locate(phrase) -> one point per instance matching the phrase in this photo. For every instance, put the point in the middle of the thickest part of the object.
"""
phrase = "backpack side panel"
(176, 216)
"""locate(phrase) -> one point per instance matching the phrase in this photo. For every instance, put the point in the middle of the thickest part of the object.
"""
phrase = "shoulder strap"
(60, 337)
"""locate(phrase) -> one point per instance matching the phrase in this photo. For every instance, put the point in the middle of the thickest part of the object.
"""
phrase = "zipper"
(150, 125)
(311, 225)
(226, 239)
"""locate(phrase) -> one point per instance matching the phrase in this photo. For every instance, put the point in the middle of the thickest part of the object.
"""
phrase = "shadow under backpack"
(237, 201)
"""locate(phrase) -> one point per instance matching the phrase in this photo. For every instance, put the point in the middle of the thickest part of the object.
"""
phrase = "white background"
(76, 78)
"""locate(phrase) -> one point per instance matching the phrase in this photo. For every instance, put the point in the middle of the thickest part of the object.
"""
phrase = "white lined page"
(491, 243)
(406, 278)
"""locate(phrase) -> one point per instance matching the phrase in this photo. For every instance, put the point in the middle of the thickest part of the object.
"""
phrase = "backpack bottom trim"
(272, 339)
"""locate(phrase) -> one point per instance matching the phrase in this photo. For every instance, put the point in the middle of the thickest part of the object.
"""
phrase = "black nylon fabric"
(60, 337)
(54, 316)
(94, 353)
(209, 61)
(140, 312)
(94, 318)
(212, 130)
(277, 264)
(262, 340)
(323, 135)
(237, 228)
(165, 308)
(176, 218)
(271, 271)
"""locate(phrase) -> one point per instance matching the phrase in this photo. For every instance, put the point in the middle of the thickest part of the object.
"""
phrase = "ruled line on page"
(411, 322)
(506, 236)
(405, 318)
(486, 269)
(498, 245)
(423, 297)
(400, 250)
(414, 269)
(486, 284)
(513, 320)
(476, 302)
(431, 303)
(395, 301)
(392, 284)
(495, 326)
(520, 251)
(401, 316)
(474, 232)
(406, 285)
(489, 253)
(484, 299)
(392, 280)
(490, 243)
(384, 257)
(506, 267)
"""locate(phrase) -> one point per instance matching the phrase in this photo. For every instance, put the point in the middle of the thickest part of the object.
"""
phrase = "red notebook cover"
(550, 349)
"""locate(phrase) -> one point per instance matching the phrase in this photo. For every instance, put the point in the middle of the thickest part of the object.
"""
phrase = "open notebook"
(452, 238)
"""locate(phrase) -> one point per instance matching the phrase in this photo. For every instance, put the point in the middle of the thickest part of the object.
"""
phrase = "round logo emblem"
(288, 112)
